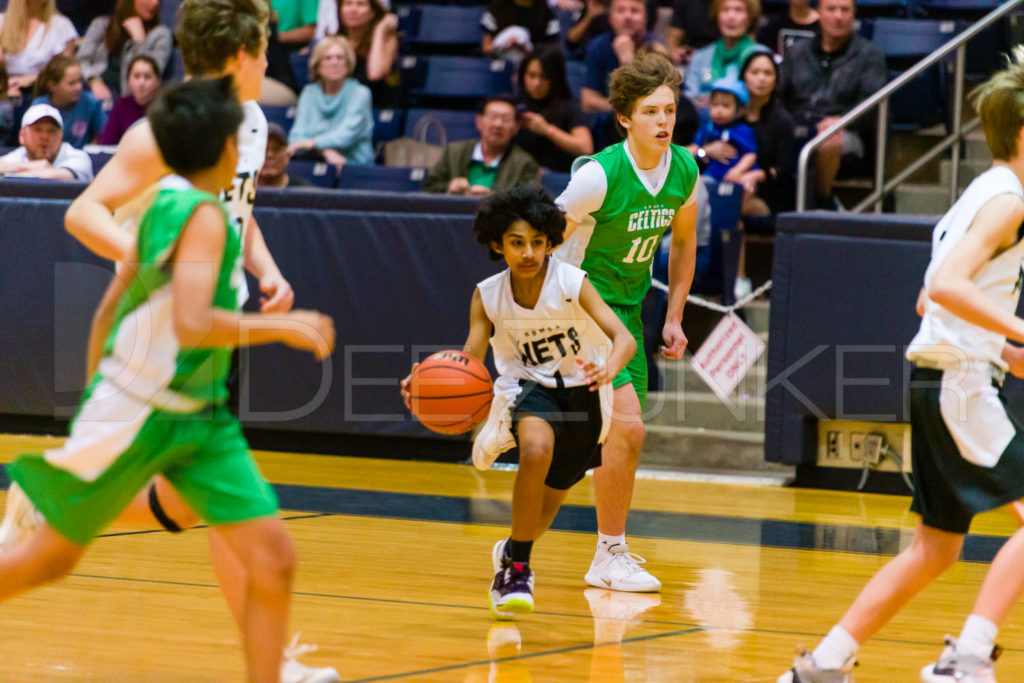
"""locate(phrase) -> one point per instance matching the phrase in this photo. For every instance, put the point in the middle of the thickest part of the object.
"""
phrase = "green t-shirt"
(145, 313)
(295, 13)
(481, 174)
(631, 221)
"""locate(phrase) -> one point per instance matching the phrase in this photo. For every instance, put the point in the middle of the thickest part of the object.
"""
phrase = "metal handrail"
(881, 100)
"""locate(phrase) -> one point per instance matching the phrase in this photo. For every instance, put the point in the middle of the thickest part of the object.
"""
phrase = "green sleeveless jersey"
(142, 354)
(631, 221)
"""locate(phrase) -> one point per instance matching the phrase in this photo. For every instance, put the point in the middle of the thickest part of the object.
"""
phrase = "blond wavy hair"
(1000, 105)
(14, 32)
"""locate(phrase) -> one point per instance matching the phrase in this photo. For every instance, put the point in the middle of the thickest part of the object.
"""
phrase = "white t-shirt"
(74, 160)
(45, 44)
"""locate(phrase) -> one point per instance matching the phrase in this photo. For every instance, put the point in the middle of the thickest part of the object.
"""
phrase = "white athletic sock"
(605, 542)
(837, 647)
(978, 637)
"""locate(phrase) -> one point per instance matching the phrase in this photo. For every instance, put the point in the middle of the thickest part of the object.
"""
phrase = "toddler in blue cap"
(728, 99)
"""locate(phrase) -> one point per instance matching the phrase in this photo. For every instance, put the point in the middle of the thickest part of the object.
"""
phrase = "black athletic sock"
(518, 551)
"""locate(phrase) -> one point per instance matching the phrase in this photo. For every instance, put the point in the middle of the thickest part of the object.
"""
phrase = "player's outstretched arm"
(952, 287)
(135, 166)
(682, 261)
(623, 343)
(199, 324)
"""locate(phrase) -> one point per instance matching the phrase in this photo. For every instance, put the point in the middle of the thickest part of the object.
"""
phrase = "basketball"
(451, 392)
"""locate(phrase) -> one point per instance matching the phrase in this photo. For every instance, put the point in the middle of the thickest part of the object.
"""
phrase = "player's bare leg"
(613, 565)
(268, 556)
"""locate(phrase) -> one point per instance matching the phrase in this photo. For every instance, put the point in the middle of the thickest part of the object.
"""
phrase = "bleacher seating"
(320, 173)
(380, 178)
(441, 29)
(458, 125)
(279, 114)
(554, 182)
(460, 82)
(906, 38)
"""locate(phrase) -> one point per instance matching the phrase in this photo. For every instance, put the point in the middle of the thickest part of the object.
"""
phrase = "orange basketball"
(451, 392)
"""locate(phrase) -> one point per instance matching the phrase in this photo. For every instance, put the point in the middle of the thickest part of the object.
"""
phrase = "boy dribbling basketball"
(551, 347)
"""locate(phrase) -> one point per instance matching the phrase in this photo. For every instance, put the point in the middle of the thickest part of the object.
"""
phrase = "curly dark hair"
(522, 203)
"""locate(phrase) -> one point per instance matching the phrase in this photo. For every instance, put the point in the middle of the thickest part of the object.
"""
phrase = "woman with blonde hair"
(112, 42)
(31, 33)
(334, 117)
(372, 29)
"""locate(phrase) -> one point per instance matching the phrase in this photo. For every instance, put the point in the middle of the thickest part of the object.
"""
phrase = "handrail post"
(801, 178)
(958, 106)
(883, 134)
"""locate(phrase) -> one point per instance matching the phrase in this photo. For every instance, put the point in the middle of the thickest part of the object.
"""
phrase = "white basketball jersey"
(542, 343)
(252, 149)
(945, 339)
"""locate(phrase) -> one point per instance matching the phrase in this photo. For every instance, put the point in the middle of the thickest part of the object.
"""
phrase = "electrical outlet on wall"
(857, 446)
(833, 445)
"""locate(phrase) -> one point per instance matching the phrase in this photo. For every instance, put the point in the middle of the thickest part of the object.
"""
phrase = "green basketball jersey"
(142, 354)
(631, 221)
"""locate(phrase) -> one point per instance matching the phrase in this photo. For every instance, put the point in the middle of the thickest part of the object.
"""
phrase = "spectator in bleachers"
(513, 28)
(770, 191)
(824, 78)
(334, 117)
(691, 28)
(60, 85)
(628, 19)
(275, 165)
(43, 153)
(737, 20)
(592, 22)
(729, 99)
(489, 164)
(782, 30)
(296, 21)
(143, 83)
(552, 129)
(31, 33)
(372, 29)
(773, 130)
(111, 42)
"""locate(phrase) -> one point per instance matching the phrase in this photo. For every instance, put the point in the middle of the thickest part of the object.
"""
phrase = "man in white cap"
(43, 152)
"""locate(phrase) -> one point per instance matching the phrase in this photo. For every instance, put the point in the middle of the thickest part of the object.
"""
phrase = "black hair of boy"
(527, 203)
(193, 121)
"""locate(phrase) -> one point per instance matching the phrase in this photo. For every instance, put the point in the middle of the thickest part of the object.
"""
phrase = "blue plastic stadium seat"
(921, 102)
(554, 182)
(901, 38)
(941, 6)
(320, 173)
(463, 79)
(458, 125)
(283, 116)
(439, 28)
(380, 178)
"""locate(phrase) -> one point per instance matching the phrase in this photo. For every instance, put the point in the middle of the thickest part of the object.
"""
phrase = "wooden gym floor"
(395, 567)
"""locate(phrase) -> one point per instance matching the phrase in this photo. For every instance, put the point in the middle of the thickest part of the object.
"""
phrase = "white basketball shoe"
(619, 570)
(292, 671)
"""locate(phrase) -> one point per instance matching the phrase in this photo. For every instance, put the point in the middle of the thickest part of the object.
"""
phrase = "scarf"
(723, 59)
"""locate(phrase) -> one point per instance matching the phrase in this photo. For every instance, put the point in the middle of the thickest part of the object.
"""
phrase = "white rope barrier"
(700, 301)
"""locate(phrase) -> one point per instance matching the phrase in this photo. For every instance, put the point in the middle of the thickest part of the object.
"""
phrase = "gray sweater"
(92, 53)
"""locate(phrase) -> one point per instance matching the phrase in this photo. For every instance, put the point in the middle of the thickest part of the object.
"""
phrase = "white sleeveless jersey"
(542, 344)
(252, 149)
(944, 339)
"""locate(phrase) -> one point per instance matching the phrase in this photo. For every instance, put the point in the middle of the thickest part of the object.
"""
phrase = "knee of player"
(58, 565)
(273, 565)
(534, 451)
(632, 435)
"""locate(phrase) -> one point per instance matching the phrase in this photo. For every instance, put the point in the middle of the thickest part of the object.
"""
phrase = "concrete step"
(680, 377)
(975, 147)
(693, 450)
(969, 170)
(704, 410)
(928, 200)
